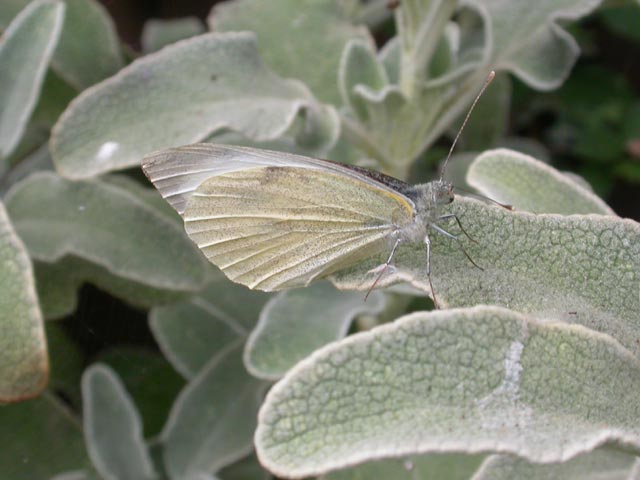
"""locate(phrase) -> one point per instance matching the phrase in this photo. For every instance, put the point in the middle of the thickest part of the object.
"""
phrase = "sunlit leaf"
(469, 380)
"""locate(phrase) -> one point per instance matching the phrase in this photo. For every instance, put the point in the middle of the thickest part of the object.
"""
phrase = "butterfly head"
(442, 192)
(429, 197)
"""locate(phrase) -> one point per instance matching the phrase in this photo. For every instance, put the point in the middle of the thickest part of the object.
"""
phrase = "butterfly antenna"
(489, 79)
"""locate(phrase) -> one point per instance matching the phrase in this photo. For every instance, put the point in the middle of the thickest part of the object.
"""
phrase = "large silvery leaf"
(579, 268)
(297, 322)
(25, 50)
(528, 41)
(106, 225)
(300, 39)
(24, 366)
(89, 48)
(112, 428)
(528, 184)
(602, 463)
(213, 419)
(181, 94)
(190, 333)
(480, 379)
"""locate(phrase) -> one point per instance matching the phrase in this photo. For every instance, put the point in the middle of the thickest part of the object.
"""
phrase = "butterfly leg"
(453, 215)
(427, 243)
(383, 268)
(457, 240)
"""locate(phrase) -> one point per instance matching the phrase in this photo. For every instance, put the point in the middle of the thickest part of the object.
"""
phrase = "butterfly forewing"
(178, 172)
(276, 227)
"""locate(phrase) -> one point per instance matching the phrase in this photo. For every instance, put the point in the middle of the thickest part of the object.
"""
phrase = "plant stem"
(419, 46)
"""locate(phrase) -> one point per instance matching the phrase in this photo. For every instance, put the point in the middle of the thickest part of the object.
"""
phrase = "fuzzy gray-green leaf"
(471, 380)
(527, 184)
(304, 320)
(112, 428)
(359, 66)
(300, 39)
(25, 50)
(580, 268)
(59, 284)
(106, 225)
(529, 41)
(24, 366)
(213, 419)
(89, 47)
(191, 332)
(179, 95)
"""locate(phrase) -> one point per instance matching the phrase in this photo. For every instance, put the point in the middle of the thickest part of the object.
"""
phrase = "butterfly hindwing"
(275, 227)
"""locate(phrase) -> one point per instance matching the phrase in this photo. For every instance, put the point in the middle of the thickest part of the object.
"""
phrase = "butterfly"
(273, 220)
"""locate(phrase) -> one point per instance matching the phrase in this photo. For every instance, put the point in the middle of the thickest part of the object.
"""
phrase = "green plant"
(531, 371)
